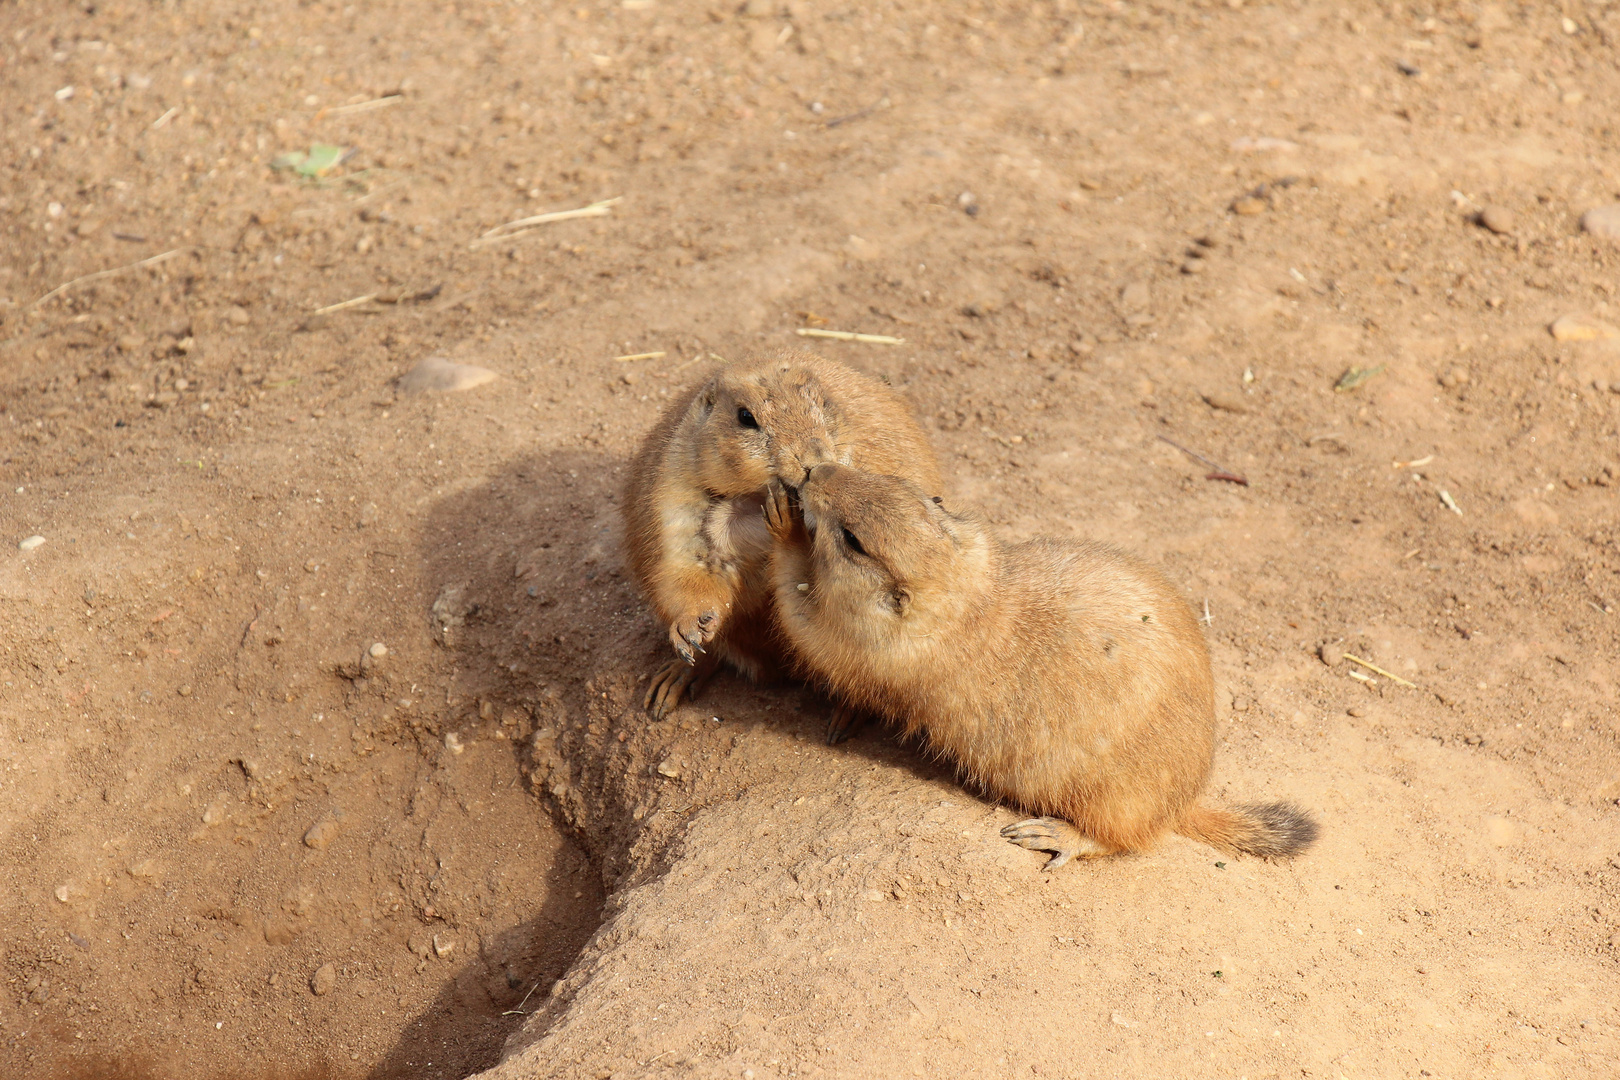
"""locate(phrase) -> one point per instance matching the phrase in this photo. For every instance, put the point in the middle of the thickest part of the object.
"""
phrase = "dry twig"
(1219, 473)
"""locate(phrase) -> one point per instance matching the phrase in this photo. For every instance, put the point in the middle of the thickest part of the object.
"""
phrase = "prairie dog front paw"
(692, 631)
(781, 515)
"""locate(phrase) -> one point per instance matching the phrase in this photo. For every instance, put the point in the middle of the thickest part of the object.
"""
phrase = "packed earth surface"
(322, 752)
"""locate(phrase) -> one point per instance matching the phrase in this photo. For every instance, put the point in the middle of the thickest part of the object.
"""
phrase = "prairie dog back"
(1066, 677)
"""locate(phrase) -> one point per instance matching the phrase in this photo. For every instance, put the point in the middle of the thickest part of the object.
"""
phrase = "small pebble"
(214, 814)
(184, 691)
(1603, 221)
(1454, 378)
(378, 650)
(669, 769)
(443, 945)
(452, 742)
(1356, 710)
(324, 979)
(31, 543)
(1330, 654)
(1240, 704)
(1498, 219)
(1249, 206)
(322, 833)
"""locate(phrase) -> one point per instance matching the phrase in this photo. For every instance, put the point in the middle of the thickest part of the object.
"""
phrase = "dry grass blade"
(846, 335)
(98, 275)
(523, 225)
(356, 302)
(642, 356)
(1374, 667)
(362, 106)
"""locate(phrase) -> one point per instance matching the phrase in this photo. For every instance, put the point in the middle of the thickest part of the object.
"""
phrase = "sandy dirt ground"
(321, 748)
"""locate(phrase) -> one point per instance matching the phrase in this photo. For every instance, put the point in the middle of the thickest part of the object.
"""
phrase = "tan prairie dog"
(1065, 677)
(693, 528)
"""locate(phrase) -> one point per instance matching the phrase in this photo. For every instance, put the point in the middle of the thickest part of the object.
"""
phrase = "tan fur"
(695, 536)
(1065, 677)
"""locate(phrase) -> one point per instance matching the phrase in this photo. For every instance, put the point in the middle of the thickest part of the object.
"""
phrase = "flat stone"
(1582, 328)
(1498, 219)
(324, 979)
(1135, 296)
(437, 373)
(31, 543)
(1249, 206)
(1603, 221)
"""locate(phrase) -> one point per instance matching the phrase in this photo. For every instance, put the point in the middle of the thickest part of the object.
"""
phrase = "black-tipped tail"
(1277, 830)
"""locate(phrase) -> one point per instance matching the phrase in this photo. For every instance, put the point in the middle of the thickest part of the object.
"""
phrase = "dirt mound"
(320, 743)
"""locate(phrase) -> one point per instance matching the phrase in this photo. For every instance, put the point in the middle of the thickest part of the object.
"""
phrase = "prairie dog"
(1065, 677)
(697, 540)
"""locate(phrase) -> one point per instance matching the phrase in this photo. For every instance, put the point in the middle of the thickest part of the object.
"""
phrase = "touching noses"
(817, 451)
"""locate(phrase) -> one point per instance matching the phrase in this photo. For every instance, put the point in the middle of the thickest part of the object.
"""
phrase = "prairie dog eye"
(746, 419)
(853, 542)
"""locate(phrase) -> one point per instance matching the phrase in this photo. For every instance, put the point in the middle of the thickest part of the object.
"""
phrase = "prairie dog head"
(887, 560)
(758, 421)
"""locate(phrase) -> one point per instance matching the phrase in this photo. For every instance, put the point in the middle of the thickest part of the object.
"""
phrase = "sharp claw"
(1058, 860)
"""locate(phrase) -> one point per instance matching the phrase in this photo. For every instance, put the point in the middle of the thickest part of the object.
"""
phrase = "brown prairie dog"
(1065, 677)
(696, 538)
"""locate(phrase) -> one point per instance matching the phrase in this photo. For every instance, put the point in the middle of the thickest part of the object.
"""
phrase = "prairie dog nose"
(816, 452)
(822, 472)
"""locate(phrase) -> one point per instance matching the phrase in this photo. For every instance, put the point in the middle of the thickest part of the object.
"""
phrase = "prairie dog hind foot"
(846, 723)
(675, 678)
(1054, 835)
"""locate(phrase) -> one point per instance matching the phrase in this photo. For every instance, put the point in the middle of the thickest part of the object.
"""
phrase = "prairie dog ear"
(901, 600)
(945, 521)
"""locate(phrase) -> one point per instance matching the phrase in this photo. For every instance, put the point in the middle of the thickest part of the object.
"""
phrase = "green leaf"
(323, 158)
(1355, 377)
